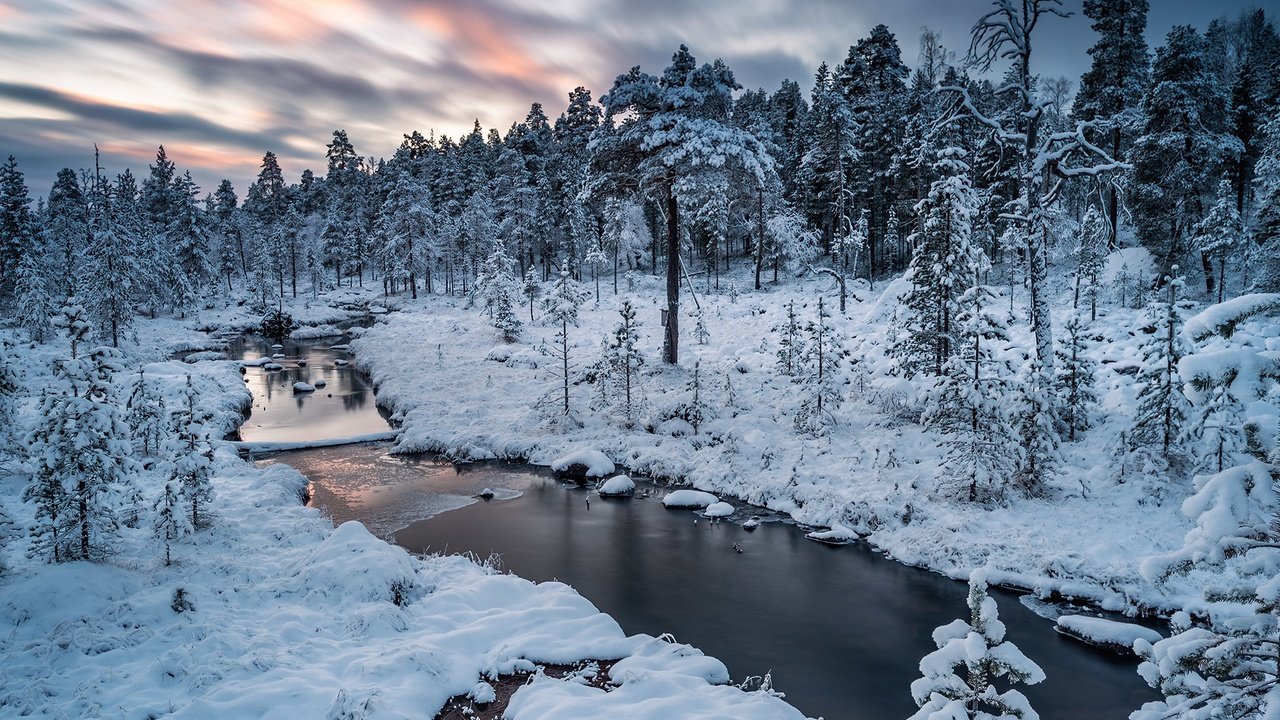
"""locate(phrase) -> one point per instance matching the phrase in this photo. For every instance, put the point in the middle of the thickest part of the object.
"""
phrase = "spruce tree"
(819, 376)
(960, 676)
(561, 307)
(1220, 234)
(79, 451)
(146, 415)
(1076, 370)
(17, 225)
(495, 284)
(1162, 405)
(969, 404)
(170, 521)
(790, 343)
(1091, 258)
(1037, 424)
(192, 457)
(622, 361)
(1217, 430)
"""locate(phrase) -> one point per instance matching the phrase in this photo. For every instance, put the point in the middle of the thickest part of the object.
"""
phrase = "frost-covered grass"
(458, 389)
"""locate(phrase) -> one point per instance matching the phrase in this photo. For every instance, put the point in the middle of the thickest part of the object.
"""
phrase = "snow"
(597, 464)
(1110, 634)
(617, 485)
(341, 363)
(1222, 318)
(316, 331)
(718, 510)
(319, 383)
(835, 535)
(689, 499)
(302, 387)
(289, 615)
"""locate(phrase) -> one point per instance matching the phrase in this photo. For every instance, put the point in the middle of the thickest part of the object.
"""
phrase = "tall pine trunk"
(671, 347)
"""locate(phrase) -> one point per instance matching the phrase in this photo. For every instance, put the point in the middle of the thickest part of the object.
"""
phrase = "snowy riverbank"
(459, 390)
(271, 611)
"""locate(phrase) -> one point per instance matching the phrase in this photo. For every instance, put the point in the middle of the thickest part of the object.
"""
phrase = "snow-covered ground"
(273, 612)
(459, 390)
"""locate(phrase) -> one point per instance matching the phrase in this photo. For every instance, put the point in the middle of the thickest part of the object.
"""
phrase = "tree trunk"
(671, 346)
(760, 230)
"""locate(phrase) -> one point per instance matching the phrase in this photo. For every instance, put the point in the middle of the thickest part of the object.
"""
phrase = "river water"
(841, 628)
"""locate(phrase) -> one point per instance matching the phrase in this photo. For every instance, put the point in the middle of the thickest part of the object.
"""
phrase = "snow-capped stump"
(689, 499)
(485, 494)
(718, 510)
(341, 363)
(301, 387)
(836, 535)
(583, 463)
(1110, 635)
(617, 486)
(320, 382)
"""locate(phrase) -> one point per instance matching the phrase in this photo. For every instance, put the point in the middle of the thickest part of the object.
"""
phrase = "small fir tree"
(1162, 405)
(959, 677)
(1076, 370)
(790, 343)
(819, 375)
(561, 307)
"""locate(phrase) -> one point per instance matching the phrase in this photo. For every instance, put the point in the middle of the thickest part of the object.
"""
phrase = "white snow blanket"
(617, 485)
(1117, 636)
(718, 510)
(597, 463)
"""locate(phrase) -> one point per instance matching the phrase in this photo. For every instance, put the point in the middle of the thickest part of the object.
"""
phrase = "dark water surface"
(842, 628)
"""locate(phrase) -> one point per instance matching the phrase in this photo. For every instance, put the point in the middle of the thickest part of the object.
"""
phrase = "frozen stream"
(842, 628)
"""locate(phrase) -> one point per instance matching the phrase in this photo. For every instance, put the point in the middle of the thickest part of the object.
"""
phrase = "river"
(841, 628)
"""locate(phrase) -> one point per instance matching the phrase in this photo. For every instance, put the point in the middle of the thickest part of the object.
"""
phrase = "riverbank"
(272, 610)
(457, 389)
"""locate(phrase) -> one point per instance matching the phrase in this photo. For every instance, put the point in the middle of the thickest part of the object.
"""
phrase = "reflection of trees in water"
(354, 401)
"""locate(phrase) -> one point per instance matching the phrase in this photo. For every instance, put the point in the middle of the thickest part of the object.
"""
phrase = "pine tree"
(942, 266)
(959, 676)
(146, 416)
(170, 520)
(1037, 424)
(1091, 257)
(187, 233)
(113, 269)
(1221, 233)
(192, 463)
(700, 331)
(969, 404)
(495, 284)
(561, 307)
(1076, 370)
(1266, 225)
(1111, 90)
(1162, 405)
(622, 360)
(79, 451)
(408, 223)
(66, 233)
(819, 375)
(1217, 430)
(17, 225)
(227, 227)
(10, 387)
(791, 348)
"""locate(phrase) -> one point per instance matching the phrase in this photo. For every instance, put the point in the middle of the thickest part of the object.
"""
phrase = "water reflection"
(344, 407)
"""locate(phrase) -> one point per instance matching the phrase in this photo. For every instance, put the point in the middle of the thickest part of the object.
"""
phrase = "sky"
(219, 82)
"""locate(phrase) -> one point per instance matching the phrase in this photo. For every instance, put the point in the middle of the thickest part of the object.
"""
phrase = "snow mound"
(689, 499)
(718, 510)
(320, 383)
(353, 565)
(341, 363)
(256, 362)
(616, 486)
(271, 365)
(1221, 319)
(318, 331)
(837, 535)
(301, 387)
(586, 462)
(196, 357)
(1115, 636)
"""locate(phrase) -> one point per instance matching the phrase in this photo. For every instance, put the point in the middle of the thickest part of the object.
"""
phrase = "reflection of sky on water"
(345, 407)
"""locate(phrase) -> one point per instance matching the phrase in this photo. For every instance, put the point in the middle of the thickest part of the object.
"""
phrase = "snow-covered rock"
(718, 510)
(617, 486)
(689, 499)
(256, 362)
(302, 387)
(836, 535)
(585, 462)
(272, 366)
(1110, 634)
(341, 363)
(320, 382)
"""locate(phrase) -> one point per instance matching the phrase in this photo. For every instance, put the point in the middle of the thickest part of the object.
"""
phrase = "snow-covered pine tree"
(1076, 370)
(1037, 424)
(1091, 256)
(622, 360)
(700, 331)
(170, 522)
(531, 288)
(1217, 430)
(495, 284)
(187, 233)
(408, 224)
(31, 286)
(10, 386)
(941, 266)
(819, 375)
(596, 258)
(110, 291)
(1221, 232)
(1266, 224)
(1162, 405)
(969, 403)
(792, 243)
(79, 451)
(192, 457)
(227, 228)
(560, 306)
(959, 677)
(1227, 669)
(18, 231)
(146, 415)
(790, 343)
